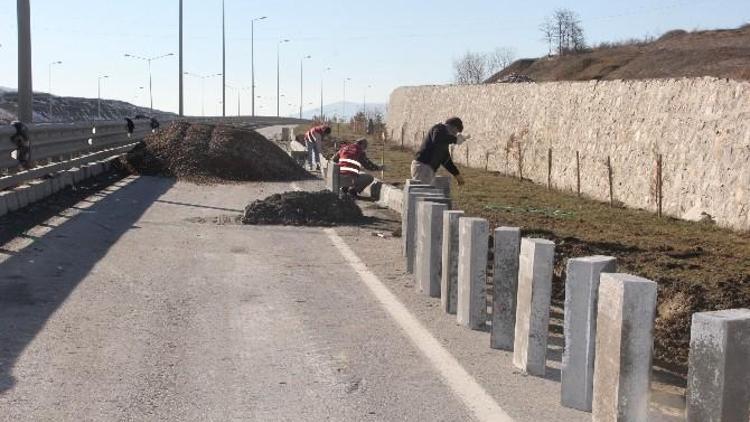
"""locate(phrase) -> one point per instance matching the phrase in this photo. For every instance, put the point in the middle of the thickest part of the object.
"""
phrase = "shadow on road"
(36, 280)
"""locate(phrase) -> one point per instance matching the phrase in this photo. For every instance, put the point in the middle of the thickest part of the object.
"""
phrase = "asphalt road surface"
(144, 303)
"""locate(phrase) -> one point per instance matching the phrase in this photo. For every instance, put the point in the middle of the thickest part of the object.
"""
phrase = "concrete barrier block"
(86, 169)
(77, 175)
(11, 200)
(68, 179)
(406, 215)
(624, 341)
(443, 183)
(428, 264)
(471, 307)
(581, 298)
(505, 287)
(411, 253)
(96, 169)
(719, 367)
(47, 188)
(22, 193)
(3, 204)
(449, 273)
(36, 191)
(535, 264)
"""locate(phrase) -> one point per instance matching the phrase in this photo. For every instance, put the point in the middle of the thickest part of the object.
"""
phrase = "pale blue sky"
(383, 43)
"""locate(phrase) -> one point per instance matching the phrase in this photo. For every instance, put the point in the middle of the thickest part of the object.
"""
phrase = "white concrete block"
(581, 299)
(428, 263)
(535, 265)
(443, 183)
(719, 367)
(471, 308)
(406, 215)
(11, 200)
(411, 228)
(624, 342)
(449, 273)
(3, 205)
(22, 193)
(505, 287)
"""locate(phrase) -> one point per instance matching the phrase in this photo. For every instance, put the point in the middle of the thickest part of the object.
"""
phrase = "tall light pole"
(364, 100)
(203, 87)
(278, 77)
(50, 86)
(301, 79)
(322, 115)
(252, 58)
(182, 95)
(99, 94)
(25, 87)
(223, 61)
(343, 103)
(150, 84)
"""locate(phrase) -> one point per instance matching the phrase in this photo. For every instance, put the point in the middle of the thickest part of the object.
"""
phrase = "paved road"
(137, 305)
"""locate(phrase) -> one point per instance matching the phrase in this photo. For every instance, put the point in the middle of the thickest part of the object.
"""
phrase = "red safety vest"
(315, 133)
(349, 156)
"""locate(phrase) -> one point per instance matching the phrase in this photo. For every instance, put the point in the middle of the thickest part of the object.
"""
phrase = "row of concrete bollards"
(608, 322)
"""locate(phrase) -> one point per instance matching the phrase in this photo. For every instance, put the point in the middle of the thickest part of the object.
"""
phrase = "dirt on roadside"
(321, 208)
(204, 153)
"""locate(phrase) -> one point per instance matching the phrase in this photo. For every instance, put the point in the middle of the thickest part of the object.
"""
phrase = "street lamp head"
(262, 17)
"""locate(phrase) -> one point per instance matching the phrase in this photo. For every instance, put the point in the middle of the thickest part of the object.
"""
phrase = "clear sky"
(384, 44)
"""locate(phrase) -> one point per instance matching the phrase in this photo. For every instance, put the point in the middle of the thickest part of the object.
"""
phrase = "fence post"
(549, 169)
(609, 177)
(659, 186)
(578, 173)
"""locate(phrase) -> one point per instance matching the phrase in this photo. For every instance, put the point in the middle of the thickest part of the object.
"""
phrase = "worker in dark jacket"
(435, 151)
(352, 159)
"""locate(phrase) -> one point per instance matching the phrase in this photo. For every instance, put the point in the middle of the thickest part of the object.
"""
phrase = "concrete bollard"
(535, 264)
(428, 264)
(505, 287)
(77, 175)
(581, 297)
(36, 192)
(624, 340)
(443, 183)
(471, 306)
(449, 274)
(411, 253)
(409, 186)
(3, 204)
(96, 169)
(11, 200)
(47, 188)
(719, 367)
(22, 193)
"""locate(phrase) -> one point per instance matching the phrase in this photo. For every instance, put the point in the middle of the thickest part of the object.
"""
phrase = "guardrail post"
(581, 297)
(449, 275)
(473, 236)
(624, 340)
(535, 265)
(718, 369)
(505, 287)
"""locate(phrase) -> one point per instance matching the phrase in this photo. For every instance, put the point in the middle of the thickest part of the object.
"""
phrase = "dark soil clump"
(322, 208)
(206, 153)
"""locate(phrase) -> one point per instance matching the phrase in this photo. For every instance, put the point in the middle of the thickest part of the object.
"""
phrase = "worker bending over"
(352, 159)
(314, 143)
(435, 151)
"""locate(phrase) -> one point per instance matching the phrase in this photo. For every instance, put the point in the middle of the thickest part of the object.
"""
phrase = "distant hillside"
(70, 109)
(719, 53)
(336, 109)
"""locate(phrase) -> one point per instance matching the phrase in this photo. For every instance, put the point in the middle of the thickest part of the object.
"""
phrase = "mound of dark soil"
(207, 153)
(322, 208)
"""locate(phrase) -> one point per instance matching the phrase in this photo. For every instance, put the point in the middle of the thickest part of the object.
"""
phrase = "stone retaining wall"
(554, 132)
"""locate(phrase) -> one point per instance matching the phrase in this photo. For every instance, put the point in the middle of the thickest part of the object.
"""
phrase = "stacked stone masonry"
(700, 127)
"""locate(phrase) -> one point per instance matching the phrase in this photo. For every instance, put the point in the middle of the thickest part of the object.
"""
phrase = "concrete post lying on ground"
(443, 183)
(405, 216)
(505, 287)
(624, 341)
(419, 197)
(449, 274)
(428, 264)
(719, 367)
(535, 264)
(473, 235)
(581, 298)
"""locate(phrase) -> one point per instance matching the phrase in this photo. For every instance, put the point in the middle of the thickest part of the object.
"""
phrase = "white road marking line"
(481, 404)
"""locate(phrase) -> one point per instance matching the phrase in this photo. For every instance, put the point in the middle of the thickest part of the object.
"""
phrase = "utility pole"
(223, 61)
(252, 60)
(25, 87)
(182, 97)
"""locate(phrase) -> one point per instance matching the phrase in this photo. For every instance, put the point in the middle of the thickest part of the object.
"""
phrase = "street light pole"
(278, 77)
(322, 115)
(99, 94)
(301, 92)
(182, 96)
(252, 59)
(49, 115)
(25, 87)
(364, 101)
(223, 61)
(150, 84)
(203, 88)
(343, 113)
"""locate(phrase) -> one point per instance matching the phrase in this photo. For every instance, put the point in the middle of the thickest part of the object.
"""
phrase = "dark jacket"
(435, 149)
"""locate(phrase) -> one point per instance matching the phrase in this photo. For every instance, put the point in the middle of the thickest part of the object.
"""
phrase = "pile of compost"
(322, 208)
(208, 153)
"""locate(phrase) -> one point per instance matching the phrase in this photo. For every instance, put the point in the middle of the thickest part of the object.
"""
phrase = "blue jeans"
(313, 154)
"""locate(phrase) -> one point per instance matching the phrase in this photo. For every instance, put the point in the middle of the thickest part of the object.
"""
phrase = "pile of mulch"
(206, 153)
(322, 208)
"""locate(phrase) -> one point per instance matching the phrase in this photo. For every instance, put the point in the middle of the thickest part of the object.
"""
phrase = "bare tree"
(475, 68)
(564, 29)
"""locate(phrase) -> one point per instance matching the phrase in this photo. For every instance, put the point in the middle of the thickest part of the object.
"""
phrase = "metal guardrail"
(47, 148)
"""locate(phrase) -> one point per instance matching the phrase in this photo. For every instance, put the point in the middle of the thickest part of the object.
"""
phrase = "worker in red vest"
(352, 160)
(314, 143)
